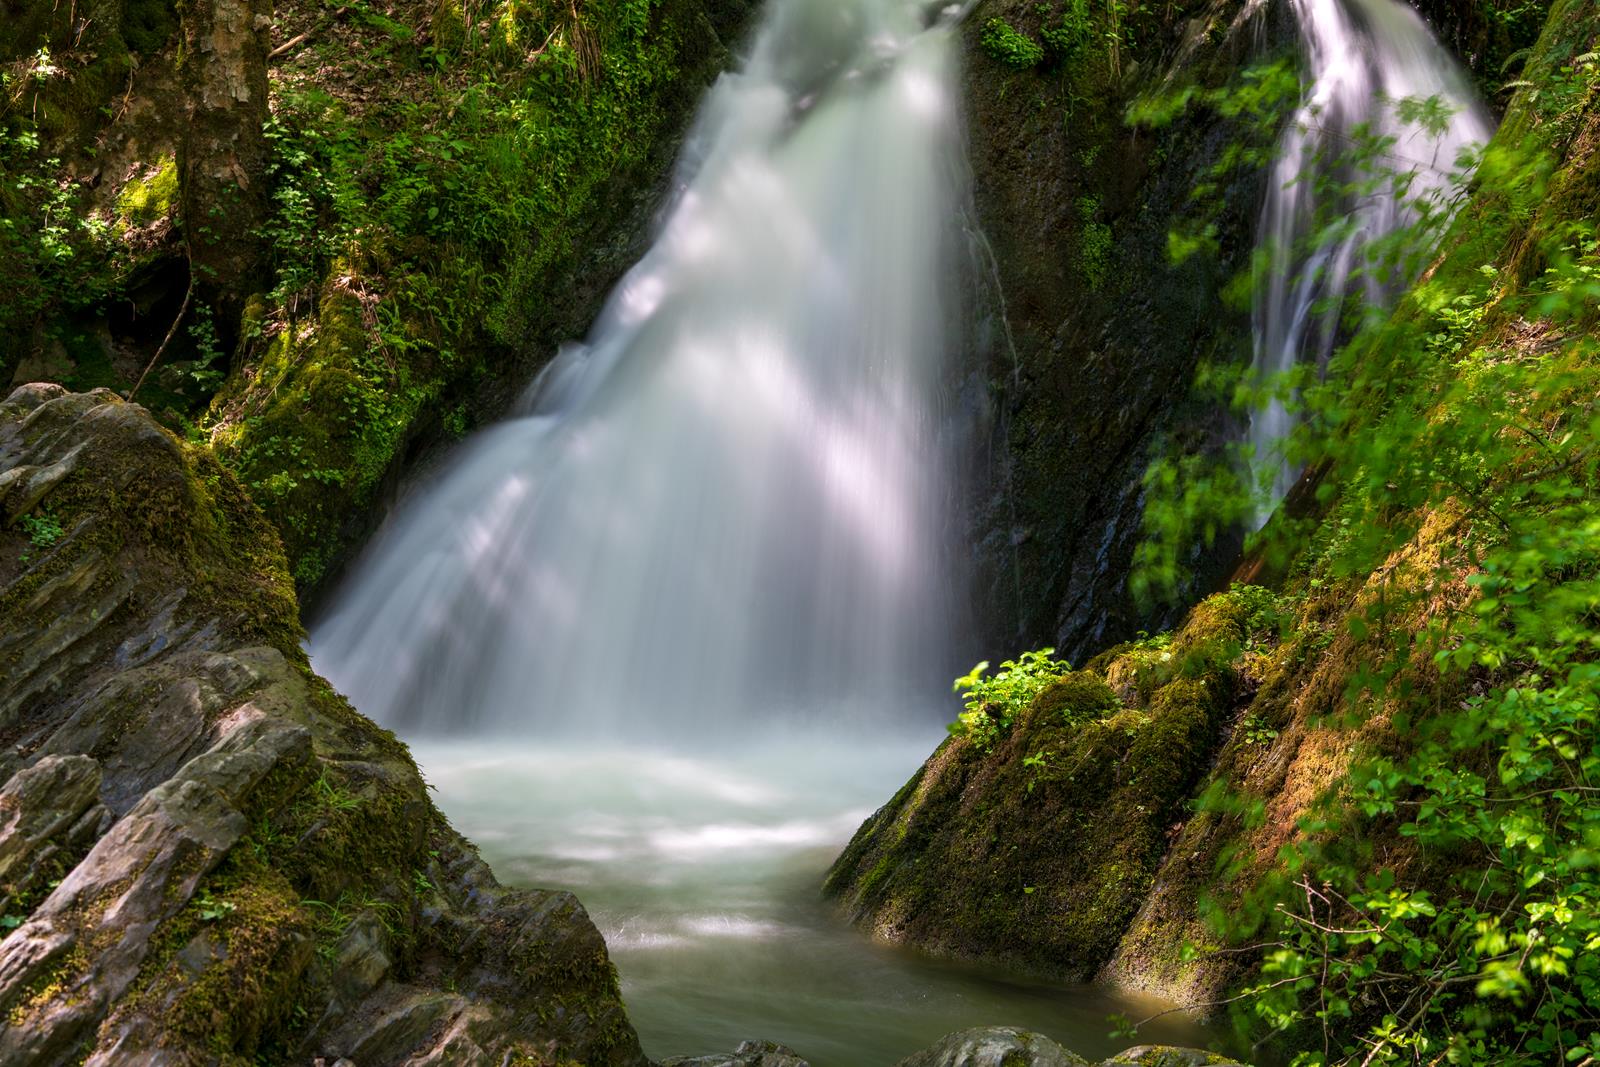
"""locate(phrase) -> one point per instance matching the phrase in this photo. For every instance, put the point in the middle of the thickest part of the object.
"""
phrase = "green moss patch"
(150, 196)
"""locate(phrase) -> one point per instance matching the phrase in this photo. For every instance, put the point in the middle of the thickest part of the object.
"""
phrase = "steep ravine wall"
(1078, 846)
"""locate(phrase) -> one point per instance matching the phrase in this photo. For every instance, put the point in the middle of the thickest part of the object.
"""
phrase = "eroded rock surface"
(206, 856)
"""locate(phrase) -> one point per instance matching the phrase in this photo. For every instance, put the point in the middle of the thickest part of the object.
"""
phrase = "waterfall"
(1365, 58)
(730, 502)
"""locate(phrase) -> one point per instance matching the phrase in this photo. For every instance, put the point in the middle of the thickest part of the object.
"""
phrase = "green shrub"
(1011, 46)
(995, 702)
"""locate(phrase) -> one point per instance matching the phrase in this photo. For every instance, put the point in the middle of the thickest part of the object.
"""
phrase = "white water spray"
(1365, 58)
(730, 502)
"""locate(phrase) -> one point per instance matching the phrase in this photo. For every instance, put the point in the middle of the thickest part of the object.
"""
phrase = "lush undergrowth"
(1440, 901)
(442, 192)
(422, 220)
(1403, 825)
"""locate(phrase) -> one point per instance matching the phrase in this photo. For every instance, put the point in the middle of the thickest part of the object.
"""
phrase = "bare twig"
(171, 330)
(288, 46)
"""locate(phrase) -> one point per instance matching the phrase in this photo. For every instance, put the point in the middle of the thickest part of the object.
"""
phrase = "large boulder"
(206, 856)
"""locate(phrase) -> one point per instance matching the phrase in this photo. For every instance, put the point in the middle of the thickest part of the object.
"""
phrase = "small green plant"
(1037, 764)
(1073, 32)
(995, 701)
(1255, 731)
(42, 530)
(1010, 46)
(333, 797)
(212, 909)
(1267, 614)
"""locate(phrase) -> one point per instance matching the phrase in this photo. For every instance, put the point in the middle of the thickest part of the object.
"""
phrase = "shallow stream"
(703, 872)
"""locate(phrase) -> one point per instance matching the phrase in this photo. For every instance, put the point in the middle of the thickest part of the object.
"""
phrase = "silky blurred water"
(732, 499)
(704, 874)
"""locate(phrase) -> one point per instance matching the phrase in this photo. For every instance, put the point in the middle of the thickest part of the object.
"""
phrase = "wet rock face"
(205, 854)
(1090, 333)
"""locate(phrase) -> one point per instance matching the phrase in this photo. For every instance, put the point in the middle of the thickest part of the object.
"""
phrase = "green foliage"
(1008, 45)
(213, 909)
(1094, 243)
(1255, 102)
(419, 245)
(1071, 33)
(1464, 423)
(42, 528)
(1255, 731)
(1267, 614)
(993, 702)
(54, 255)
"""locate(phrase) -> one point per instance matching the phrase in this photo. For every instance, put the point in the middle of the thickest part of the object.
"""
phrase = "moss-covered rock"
(248, 868)
(1037, 854)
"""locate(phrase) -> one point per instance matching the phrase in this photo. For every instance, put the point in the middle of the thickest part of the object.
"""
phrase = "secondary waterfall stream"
(1353, 166)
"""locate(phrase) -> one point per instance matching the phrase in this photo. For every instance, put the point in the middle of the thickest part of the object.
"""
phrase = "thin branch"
(171, 330)
(288, 45)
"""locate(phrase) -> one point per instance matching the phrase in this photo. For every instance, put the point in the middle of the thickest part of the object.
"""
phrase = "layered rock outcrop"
(206, 856)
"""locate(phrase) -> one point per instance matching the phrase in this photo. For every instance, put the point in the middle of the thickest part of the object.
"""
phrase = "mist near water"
(702, 872)
(730, 504)
(1363, 57)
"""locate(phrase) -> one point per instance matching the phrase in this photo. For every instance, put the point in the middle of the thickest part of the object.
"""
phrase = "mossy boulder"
(1036, 855)
(248, 869)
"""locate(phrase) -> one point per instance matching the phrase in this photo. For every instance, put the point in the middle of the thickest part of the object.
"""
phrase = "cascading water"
(729, 507)
(729, 504)
(1366, 59)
